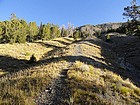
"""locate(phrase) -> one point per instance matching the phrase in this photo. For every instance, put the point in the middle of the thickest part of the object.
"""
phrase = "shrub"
(76, 35)
(32, 59)
(27, 54)
(108, 38)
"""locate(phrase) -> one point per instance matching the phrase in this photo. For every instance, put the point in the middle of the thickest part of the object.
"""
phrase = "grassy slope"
(22, 85)
(91, 78)
(100, 85)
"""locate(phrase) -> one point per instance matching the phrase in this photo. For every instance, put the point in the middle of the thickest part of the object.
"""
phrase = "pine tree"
(1, 31)
(33, 31)
(55, 32)
(45, 32)
(76, 35)
(23, 31)
(133, 13)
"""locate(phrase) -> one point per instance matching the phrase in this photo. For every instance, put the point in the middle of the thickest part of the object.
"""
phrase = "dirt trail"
(58, 93)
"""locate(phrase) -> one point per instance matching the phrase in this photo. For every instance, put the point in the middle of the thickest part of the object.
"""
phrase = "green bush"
(108, 38)
(27, 54)
(76, 35)
(126, 90)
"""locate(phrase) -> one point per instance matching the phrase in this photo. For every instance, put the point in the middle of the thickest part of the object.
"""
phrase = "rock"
(84, 68)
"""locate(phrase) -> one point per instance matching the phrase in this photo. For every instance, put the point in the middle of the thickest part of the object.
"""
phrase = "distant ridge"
(92, 29)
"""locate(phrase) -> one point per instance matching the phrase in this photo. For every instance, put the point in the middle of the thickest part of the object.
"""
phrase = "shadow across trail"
(72, 59)
(62, 42)
(49, 45)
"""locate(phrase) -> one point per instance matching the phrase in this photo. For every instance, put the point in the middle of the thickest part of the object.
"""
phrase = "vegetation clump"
(108, 38)
(32, 59)
(132, 27)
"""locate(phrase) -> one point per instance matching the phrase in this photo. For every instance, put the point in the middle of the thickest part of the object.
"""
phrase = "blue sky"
(77, 12)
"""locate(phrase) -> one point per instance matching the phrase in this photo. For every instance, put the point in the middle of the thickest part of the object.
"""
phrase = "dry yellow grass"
(23, 86)
(89, 84)
(100, 86)
(27, 84)
(23, 51)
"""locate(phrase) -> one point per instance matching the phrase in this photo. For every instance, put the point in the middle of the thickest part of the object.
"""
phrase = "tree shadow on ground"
(49, 45)
(62, 42)
(10, 64)
(72, 59)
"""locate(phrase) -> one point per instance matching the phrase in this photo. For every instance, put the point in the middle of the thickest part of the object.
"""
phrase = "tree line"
(19, 31)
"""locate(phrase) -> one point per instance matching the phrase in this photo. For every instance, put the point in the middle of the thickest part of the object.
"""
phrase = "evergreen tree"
(45, 32)
(23, 31)
(1, 31)
(39, 37)
(133, 13)
(6, 29)
(19, 31)
(76, 35)
(15, 26)
(33, 32)
(55, 32)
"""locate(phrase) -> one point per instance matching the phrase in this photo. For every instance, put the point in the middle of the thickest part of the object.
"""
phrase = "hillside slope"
(85, 72)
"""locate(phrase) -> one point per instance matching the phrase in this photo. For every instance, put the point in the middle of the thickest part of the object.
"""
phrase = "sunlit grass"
(23, 51)
(98, 86)
(22, 87)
